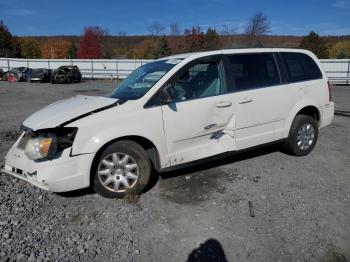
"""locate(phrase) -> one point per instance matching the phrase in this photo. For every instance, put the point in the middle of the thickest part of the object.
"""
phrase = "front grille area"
(17, 171)
(20, 172)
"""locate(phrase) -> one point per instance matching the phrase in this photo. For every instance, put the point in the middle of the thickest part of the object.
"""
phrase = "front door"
(198, 121)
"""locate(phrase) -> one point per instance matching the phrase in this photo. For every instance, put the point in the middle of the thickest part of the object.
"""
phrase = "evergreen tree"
(212, 40)
(162, 48)
(6, 41)
(72, 50)
(315, 44)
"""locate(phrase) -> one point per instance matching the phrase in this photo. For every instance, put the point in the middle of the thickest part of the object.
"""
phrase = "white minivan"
(171, 112)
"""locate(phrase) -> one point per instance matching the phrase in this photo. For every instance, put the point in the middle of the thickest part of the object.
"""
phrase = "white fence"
(338, 70)
(95, 68)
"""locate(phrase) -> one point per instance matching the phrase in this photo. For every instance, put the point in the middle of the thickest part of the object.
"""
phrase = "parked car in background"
(171, 112)
(2, 74)
(5, 75)
(66, 74)
(19, 74)
(41, 75)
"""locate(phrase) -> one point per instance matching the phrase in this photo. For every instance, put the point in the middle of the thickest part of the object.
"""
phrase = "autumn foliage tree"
(30, 48)
(143, 50)
(194, 39)
(55, 48)
(340, 50)
(89, 45)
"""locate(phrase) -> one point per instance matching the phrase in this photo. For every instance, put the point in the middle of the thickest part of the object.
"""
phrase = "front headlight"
(41, 147)
(44, 144)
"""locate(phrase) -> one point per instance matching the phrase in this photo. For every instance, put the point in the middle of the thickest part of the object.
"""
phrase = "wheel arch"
(307, 108)
(312, 111)
(147, 144)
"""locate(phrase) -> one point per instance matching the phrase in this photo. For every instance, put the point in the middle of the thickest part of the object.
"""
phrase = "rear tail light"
(330, 88)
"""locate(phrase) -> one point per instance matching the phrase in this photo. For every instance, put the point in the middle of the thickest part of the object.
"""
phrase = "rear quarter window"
(300, 67)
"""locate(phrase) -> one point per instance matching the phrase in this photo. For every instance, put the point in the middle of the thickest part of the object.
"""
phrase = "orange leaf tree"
(89, 45)
(55, 48)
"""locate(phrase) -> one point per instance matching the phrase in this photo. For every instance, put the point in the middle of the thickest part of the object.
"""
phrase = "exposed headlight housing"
(46, 143)
(41, 147)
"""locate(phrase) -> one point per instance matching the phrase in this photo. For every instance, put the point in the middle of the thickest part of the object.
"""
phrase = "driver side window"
(199, 80)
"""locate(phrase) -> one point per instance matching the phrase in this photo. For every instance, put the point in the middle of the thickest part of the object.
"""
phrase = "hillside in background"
(124, 46)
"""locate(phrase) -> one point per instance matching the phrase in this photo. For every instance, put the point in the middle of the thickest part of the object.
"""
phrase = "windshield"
(14, 71)
(143, 79)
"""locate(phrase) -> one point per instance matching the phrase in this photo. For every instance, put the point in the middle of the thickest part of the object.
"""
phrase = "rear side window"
(250, 71)
(300, 67)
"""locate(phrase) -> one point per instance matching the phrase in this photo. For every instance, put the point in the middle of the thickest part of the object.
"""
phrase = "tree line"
(95, 42)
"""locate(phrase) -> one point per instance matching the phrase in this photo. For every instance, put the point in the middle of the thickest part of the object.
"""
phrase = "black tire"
(135, 151)
(52, 80)
(291, 144)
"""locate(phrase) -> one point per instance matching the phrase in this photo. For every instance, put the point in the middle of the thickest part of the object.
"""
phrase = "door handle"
(223, 104)
(245, 100)
(210, 126)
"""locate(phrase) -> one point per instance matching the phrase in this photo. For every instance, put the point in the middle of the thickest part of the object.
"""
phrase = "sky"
(69, 17)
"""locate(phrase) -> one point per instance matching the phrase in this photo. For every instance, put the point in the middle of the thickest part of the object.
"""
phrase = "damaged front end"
(43, 155)
(45, 144)
(43, 158)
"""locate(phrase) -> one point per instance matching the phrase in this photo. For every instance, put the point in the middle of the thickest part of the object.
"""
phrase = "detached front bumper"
(61, 174)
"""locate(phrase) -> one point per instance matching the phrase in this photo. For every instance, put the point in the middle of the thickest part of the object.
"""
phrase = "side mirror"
(167, 93)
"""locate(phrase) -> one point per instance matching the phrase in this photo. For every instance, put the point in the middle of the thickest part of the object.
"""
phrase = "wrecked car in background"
(19, 74)
(3, 75)
(41, 75)
(66, 74)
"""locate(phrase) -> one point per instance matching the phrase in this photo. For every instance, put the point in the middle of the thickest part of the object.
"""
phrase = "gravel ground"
(301, 205)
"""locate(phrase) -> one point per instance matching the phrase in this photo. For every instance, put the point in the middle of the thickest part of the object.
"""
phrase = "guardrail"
(337, 70)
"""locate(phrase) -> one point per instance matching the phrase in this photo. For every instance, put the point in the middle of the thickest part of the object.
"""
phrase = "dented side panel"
(199, 128)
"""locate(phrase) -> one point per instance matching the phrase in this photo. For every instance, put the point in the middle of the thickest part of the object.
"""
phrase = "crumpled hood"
(65, 110)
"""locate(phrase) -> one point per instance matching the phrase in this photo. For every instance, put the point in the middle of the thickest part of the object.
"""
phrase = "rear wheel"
(122, 168)
(302, 135)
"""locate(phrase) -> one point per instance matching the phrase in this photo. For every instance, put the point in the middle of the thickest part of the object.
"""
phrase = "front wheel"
(122, 168)
(303, 135)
